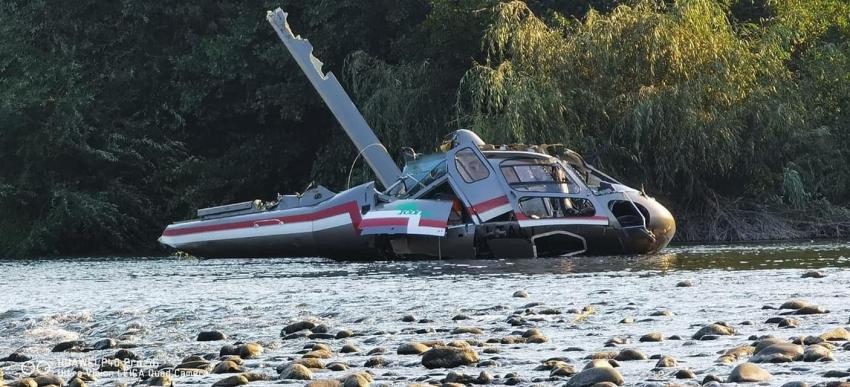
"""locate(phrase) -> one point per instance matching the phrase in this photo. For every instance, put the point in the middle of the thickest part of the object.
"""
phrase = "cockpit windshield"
(537, 175)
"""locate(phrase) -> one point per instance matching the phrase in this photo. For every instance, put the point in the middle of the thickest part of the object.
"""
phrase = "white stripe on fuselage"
(563, 222)
(260, 231)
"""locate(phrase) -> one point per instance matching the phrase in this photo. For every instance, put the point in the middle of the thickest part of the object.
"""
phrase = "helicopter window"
(555, 207)
(531, 176)
(470, 166)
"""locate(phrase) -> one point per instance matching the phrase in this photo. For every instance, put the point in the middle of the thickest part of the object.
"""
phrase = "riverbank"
(526, 322)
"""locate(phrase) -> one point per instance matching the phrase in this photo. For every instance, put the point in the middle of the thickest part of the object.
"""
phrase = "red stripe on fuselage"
(350, 208)
(489, 204)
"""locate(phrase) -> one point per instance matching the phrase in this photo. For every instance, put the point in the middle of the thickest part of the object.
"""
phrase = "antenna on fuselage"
(338, 101)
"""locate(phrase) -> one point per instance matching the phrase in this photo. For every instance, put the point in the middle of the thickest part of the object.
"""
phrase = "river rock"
(810, 309)
(47, 379)
(789, 323)
(376, 362)
(232, 381)
(161, 380)
(358, 379)
(298, 326)
(652, 337)
(412, 348)
(211, 336)
(324, 383)
(228, 350)
(296, 372)
(16, 357)
(794, 304)
(227, 367)
(112, 365)
(349, 348)
(343, 334)
(684, 284)
(630, 355)
(561, 368)
(766, 342)
(408, 318)
(337, 366)
(836, 374)
(125, 354)
(627, 320)
(104, 344)
(601, 363)
(685, 374)
(309, 362)
(837, 334)
(521, 294)
(75, 382)
(460, 317)
(467, 330)
(319, 354)
(795, 384)
(73, 345)
(748, 373)
(592, 376)
(716, 329)
(813, 274)
(711, 378)
(817, 353)
(250, 350)
(778, 353)
(448, 357)
(666, 362)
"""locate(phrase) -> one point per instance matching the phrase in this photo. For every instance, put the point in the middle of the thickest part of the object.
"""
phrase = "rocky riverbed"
(697, 315)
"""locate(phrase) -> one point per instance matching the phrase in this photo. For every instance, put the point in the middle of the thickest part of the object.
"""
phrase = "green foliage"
(117, 118)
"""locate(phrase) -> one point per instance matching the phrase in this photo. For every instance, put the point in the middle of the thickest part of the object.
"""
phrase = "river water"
(157, 306)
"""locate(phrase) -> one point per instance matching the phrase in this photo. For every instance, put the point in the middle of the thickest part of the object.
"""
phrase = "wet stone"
(810, 309)
(684, 284)
(250, 350)
(227, 367)
(345, 333)
(794, 304)
(685, 374)
(813, 274)
(337, 366)
(68, 346)
(298, 326)
(521, 294)
(778, 353)
(837, 334)
(448, 357)
(661, 313)
(666, 362)
(235, 380)
(789, 323)
(630, 355)
(376, 362)
(460, 317)
(296, 372)
(104, 344)
(592, 376)
(408, 318)
(467, 330)
(748, 373)
(210, 336)
(349, 348)
(16, 357)
(412, 348)
(817, 353)
(715, 329)
(652, 337)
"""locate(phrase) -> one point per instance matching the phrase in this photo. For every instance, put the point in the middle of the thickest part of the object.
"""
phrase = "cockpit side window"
(470, 166)
(537, 176)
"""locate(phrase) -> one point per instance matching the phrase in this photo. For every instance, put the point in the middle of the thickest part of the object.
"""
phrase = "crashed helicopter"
(471, 200)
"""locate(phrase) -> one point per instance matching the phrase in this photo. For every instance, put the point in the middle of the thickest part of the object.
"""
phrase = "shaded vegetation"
(117, 118)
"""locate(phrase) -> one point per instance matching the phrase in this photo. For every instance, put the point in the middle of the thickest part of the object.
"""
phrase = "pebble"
(748, 373)
(211, 336)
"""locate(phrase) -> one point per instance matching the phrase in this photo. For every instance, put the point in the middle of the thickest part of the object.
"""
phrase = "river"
(156, 306)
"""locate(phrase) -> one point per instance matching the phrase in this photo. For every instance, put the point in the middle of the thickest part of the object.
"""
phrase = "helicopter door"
(476, 183)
